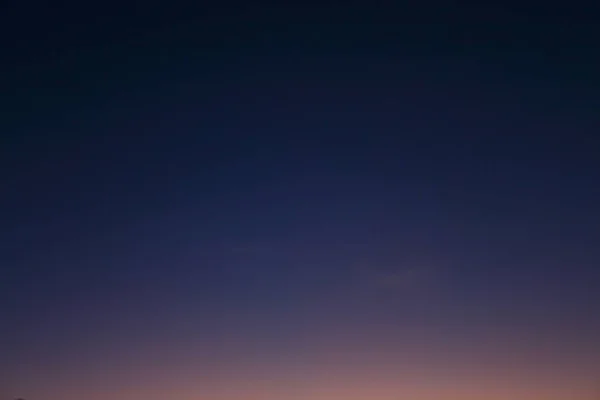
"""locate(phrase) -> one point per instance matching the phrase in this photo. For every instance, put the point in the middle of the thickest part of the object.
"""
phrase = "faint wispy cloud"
(411, 281)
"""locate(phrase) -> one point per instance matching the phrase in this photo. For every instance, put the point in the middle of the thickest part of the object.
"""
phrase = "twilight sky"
(250, 202)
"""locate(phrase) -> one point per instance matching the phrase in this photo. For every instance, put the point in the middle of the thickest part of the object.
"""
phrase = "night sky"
(328, 202)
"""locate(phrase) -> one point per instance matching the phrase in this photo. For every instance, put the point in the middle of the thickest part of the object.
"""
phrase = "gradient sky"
(286, 203)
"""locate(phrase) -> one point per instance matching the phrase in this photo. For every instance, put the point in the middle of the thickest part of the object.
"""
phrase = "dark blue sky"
(189, 193)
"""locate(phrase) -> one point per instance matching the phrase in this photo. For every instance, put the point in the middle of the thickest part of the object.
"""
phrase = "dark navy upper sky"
(190, 193)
